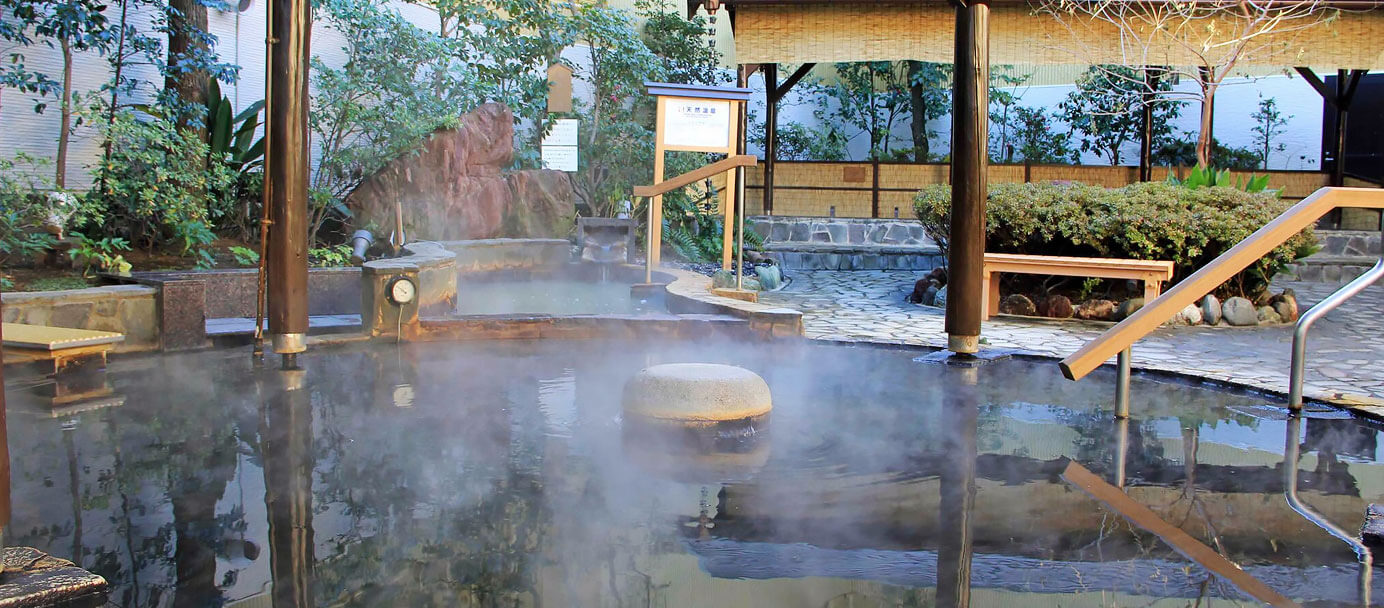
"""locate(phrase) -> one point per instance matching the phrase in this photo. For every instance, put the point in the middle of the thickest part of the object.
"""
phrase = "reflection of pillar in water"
(286, 446)
(1121, 450)
(958, 496)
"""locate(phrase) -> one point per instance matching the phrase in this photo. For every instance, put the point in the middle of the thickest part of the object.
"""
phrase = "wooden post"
(728, 201)
(4, 467)
(969, 168)
(771, 98)
(1146, 129)
(286, 174)
(874, 188)
(656, 217)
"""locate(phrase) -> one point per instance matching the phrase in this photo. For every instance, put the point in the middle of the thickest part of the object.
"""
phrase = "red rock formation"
(452, 186)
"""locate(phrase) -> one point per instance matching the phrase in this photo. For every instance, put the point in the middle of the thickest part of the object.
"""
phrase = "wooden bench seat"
(61, 345)
(1151, 272)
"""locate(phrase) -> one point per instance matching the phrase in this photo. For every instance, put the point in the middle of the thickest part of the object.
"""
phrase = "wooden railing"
(691, 177)
(1218, 271)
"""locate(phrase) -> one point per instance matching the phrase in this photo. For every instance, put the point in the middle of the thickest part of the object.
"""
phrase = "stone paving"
(1344, 362)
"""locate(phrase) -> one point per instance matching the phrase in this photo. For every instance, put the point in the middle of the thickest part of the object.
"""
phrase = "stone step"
(1321, 268)
(839, 230)
(1349, 243)
(827, 256)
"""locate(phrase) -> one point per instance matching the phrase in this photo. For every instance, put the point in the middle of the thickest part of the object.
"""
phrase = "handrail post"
(1295, 374)
(649, 242)
(1122, 385)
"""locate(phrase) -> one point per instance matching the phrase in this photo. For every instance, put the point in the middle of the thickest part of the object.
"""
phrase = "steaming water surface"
(496, 474)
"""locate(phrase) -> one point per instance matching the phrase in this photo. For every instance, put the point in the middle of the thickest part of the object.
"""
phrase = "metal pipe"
(361, 240)
(286, 172)
(969, 168)
(1291, 453)
(1295, 375)
(1122, 384)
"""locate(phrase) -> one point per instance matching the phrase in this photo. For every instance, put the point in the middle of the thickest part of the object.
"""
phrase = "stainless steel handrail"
(1291, 454)
(1311, 316)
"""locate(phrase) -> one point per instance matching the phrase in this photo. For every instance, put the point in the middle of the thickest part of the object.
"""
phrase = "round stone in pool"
(696, 395)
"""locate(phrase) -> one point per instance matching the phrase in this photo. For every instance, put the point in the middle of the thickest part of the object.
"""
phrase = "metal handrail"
(1316, 312)
(1288, 224)
(1291, 454)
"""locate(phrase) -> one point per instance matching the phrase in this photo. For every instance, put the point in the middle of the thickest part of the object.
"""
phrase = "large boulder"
(1239, 311)
(452, 186)
(1018, 304)
(542, 204)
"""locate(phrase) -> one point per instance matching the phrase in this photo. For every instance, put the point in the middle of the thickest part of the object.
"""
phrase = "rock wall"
(453, 187)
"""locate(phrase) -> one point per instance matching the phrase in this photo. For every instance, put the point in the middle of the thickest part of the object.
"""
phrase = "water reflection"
(508, 482)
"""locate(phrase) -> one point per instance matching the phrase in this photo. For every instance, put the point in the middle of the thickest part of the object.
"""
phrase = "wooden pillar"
(4, 466)
(1146, 128)
(656, 203)
(969, 168)
(771, 98)
(1338, 145)
(286, 174)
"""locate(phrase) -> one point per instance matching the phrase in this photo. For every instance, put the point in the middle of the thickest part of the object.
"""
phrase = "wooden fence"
(886, 190)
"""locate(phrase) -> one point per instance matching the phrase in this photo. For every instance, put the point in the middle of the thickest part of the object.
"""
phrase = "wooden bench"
(61, 345)
(1151, 272)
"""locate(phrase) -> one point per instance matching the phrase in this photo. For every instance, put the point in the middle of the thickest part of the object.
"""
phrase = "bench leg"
(990, 294)
(1151, 290)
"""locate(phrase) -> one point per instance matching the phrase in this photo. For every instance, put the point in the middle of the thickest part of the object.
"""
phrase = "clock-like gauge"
(401, 290)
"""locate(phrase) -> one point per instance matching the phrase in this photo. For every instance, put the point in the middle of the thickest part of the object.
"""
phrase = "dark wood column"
(1340, 99)
(771, 99)
(286, 174)
(1146, 128)
(969, 169)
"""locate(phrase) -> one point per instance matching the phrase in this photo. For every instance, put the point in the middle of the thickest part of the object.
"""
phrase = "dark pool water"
(495, 474)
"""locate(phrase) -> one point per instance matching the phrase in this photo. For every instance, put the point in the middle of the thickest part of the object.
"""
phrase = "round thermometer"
(401, 291)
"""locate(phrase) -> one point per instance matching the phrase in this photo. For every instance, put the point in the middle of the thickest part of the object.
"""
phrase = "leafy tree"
(1004, 120)
(1037, 138)
(929, 98)
(1269, 123)
(1107, 110)
(70, 25)
(382, 101)
(1210, 39)
(617, 123)
(797, 141)
(871, 97)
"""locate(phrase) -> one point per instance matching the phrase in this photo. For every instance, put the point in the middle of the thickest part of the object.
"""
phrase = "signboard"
(560, 146)
(697, 123)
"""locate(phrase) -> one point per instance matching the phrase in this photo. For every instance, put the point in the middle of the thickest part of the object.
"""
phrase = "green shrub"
(157, 187)
(1147, 221)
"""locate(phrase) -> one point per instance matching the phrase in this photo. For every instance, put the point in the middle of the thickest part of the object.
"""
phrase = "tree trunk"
(187, 24)
(921, 148)
(1204, 134)
(60, 177)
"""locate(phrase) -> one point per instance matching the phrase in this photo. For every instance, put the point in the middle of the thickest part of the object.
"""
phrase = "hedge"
(1146, 221)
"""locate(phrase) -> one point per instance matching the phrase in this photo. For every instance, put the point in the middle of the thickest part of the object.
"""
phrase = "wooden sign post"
(695, 118)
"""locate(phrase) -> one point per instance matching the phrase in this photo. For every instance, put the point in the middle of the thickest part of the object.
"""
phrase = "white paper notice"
(560, 158)
(697, 123)
(563, 133)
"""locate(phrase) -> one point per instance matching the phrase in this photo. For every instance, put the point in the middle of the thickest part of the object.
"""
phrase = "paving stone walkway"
(1345, 351)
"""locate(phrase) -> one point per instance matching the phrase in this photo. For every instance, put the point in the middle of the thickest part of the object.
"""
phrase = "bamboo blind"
(841, 32)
